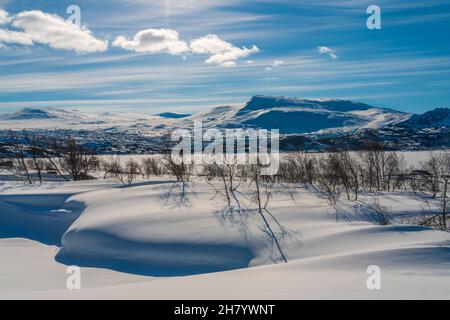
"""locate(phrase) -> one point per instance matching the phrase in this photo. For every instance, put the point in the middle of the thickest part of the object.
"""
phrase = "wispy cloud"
(274, 64)
(328, 51)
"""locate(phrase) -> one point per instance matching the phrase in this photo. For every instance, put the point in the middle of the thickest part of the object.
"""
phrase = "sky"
(153, 56)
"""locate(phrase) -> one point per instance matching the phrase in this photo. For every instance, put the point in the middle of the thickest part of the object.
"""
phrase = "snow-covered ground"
(149, 242)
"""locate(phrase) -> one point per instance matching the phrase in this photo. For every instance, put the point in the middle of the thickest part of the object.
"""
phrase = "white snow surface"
(143, 242)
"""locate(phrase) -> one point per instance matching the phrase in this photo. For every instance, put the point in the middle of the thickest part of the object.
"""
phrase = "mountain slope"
(29, 114)
(439, 117)
(65, 115)
(172, 115)
(294, 116)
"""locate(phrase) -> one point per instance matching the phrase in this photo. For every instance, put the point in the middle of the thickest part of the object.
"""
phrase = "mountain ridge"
(305, 116)
(304, 124)
(289, 115)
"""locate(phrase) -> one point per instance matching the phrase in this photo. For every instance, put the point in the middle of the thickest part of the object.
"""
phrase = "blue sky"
(194, 54)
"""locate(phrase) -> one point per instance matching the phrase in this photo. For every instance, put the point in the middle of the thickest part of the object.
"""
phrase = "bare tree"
(372, 158)
(328, 181)
(444, 203)
(262, 196)
(131, 170)
(215, 171)
(111, 168)
(431, 165)
(343, 170)
(181, 171)
(20, 165)
(37, 155)
(444, 174)
(395, 168)
(298, 168)
(438, 182)
(151, 167)
(382, 212)
(76, 160)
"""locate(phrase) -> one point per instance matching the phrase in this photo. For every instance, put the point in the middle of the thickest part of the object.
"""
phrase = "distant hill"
(171, 115)
(29, 114)
(433, 118)
(295, 116)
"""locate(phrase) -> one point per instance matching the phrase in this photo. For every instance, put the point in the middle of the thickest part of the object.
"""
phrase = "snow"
(433, 118)
(167, 239)
(54, 118)
(292, 114)
(147, 242)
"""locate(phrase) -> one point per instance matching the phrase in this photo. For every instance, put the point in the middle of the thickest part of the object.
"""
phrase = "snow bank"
(140, 230)
(42, 217)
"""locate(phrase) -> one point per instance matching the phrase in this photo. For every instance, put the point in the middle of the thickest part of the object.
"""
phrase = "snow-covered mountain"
(316, 124)
(294, 116)
(290, 116)
(44, 113)
(439, 117)
(172, 115)
(72, 119)
(28, 114)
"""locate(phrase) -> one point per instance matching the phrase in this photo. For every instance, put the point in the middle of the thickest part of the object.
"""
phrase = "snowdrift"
(163, 245)
(141, 230)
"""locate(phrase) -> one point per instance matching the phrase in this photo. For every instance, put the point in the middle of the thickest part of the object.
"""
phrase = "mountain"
(65, 115)
(28, 114)
(302, 116)
(172, 115)
(268, 102)
(304, 124)
(289, 115)
(439, 117)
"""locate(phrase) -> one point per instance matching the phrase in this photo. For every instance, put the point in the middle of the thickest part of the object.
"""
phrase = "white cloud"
(44, 28)
(210, 44)
(277, 63)
(13, 37)
(168, 41)
(229, 58)
(50, 29)
(222, 53)
(274, 64)
(4, 17)
(329, 51)
(154, 41)
(37, 27)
